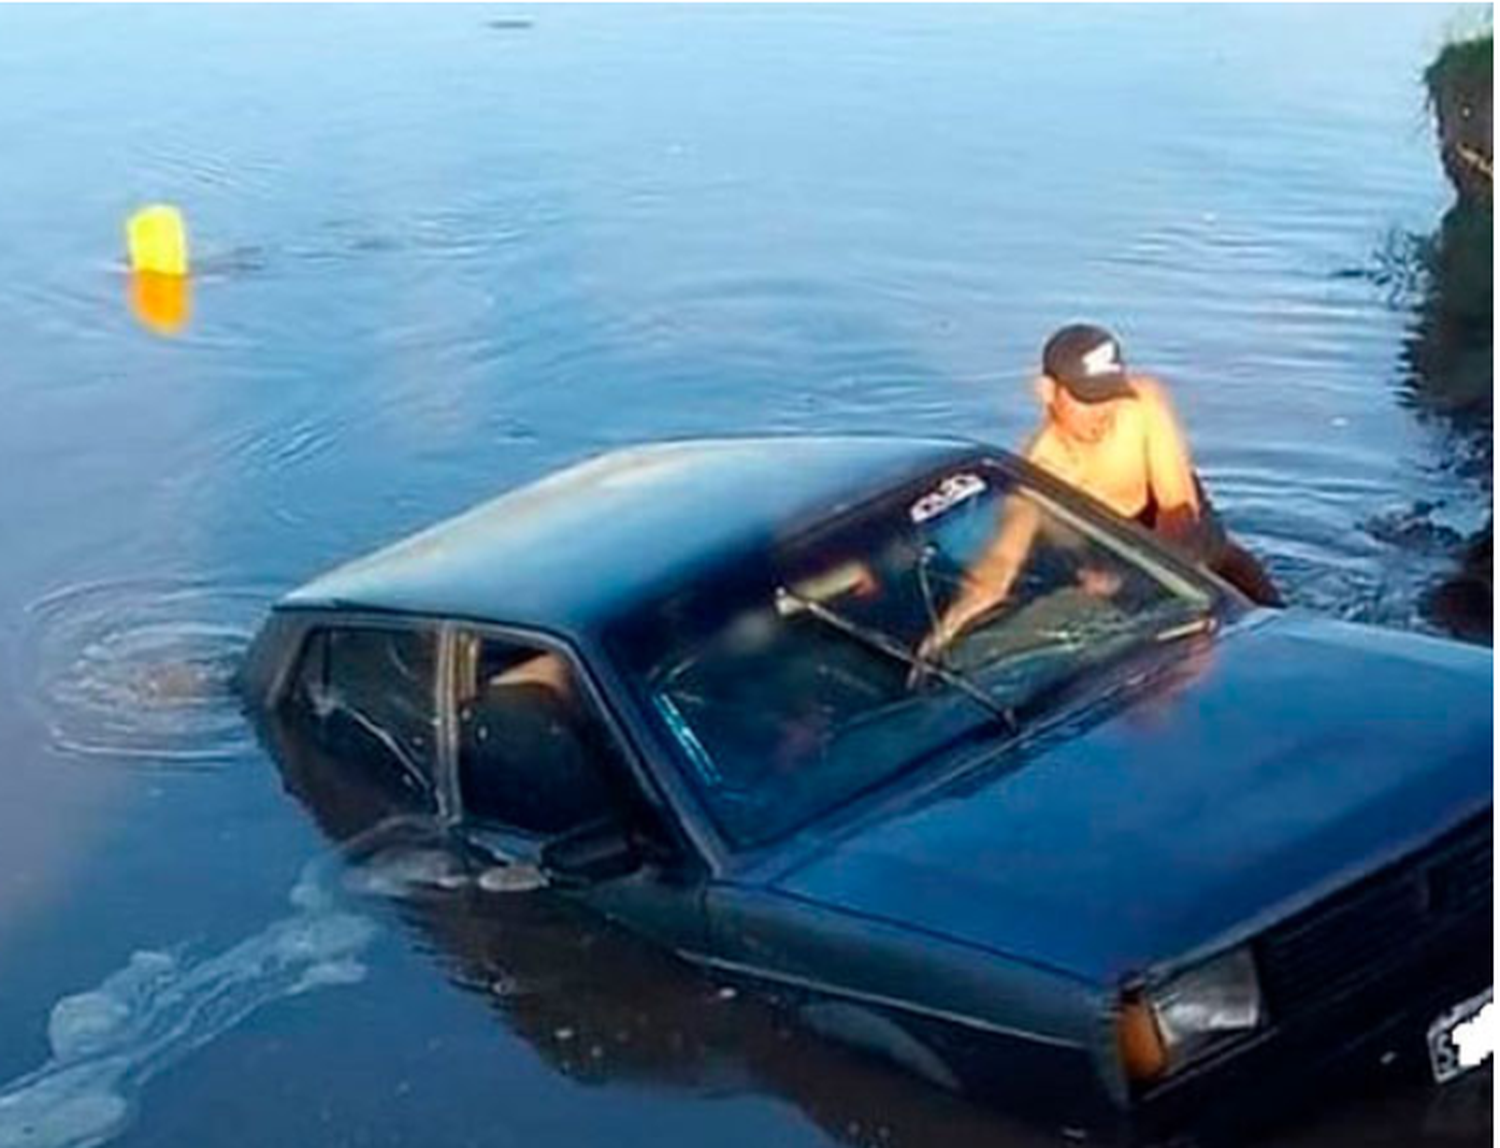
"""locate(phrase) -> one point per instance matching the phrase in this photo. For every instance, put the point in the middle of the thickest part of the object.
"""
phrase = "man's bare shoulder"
(1150, 390)
(1155, 400)
(1046, 450)
(1043, 441)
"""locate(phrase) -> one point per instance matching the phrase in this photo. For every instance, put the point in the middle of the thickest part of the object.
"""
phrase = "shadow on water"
(1448, 377)
(1448, 354)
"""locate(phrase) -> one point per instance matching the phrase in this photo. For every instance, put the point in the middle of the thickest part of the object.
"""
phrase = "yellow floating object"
(162, 303)
(157, 239)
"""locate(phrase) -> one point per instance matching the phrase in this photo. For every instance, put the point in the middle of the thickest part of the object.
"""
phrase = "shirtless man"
(1116, 437)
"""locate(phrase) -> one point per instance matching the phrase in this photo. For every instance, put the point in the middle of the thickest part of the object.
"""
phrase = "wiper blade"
(789, 601)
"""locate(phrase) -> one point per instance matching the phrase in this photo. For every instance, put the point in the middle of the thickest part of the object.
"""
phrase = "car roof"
(586, 544)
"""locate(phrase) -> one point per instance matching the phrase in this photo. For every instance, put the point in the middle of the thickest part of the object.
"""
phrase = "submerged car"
(1128, 856)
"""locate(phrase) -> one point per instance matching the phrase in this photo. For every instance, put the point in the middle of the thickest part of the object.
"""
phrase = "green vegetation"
(1460, 92)
(1449, 353)
(1464, 65)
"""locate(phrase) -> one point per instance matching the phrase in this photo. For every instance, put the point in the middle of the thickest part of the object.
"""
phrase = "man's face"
(1084, 422)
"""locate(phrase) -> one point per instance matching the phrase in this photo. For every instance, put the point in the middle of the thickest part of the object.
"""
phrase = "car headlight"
(1171, 1023)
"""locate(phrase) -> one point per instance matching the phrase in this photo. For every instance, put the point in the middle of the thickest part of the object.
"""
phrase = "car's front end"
(1112, 846)
(1378, 976)
(1271, 860)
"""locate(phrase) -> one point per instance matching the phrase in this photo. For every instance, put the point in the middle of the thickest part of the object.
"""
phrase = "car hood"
(1265, 769)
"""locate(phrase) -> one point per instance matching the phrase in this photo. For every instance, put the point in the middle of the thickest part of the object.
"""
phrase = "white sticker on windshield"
(949, 493)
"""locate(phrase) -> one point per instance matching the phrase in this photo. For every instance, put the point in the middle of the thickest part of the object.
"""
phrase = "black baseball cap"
(1085, 360)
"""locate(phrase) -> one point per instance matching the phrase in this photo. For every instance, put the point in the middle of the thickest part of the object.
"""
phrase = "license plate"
(1463, 1037)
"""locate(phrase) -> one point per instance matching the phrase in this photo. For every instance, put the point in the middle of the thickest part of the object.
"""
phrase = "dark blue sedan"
(1129, 854)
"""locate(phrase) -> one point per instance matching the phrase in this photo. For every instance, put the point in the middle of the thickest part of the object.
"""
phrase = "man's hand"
(948, 628)
(929, 649)
(933, 645)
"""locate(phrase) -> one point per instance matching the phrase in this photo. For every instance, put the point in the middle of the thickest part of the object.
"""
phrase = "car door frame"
(596, 698)
(663, 901)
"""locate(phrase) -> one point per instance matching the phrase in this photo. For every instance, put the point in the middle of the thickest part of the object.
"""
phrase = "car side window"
(370, 694)
(533, 754)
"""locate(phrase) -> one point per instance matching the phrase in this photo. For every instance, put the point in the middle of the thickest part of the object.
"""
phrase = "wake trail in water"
(108, 1043)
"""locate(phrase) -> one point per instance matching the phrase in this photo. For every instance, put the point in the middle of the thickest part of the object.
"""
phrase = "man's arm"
(991, 578)
(1169, 464)
(543, 669)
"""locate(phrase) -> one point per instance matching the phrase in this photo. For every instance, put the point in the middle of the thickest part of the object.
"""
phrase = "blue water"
(443, 251)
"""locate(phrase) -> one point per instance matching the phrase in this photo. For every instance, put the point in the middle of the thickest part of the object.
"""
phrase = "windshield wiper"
(789, 601)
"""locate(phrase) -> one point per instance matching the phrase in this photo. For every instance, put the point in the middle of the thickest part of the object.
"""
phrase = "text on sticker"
(949, 493)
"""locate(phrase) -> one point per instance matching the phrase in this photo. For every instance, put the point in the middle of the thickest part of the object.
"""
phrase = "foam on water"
(108, 1042)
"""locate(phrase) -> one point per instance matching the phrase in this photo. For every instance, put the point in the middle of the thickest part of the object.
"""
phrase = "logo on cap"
(1102, 360)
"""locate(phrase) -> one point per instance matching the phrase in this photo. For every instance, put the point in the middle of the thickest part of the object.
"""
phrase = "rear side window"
(368, 694)
(533, 755)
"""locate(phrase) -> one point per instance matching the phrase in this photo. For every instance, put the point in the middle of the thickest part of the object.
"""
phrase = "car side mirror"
(596, 852)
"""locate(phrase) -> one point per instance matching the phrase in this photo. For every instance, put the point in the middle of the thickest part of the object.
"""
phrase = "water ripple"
(141, 669)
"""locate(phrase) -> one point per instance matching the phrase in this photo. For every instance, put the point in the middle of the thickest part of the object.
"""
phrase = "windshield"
(791, 682)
